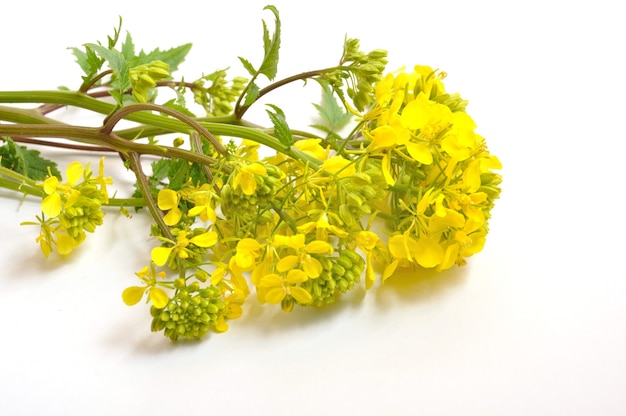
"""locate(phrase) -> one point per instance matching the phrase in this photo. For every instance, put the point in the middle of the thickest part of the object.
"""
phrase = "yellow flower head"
(245, 177)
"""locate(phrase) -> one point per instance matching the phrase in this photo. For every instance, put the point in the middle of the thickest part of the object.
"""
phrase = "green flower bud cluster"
(190, 313)
(84, 214)
(490, 184)
(80, 218)
(236, 204)
(218, 99)
(364, 71)
(143, 78)
(362, 190)
(339, 275)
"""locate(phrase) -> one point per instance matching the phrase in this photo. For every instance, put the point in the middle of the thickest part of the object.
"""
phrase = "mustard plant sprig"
(298, 218)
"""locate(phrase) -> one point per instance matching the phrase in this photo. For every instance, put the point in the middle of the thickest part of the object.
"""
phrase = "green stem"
(153, 121)
(144, 187)
(240, 110)
(170, 125)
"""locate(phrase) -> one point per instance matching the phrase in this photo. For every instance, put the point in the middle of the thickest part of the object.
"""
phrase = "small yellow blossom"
(245, 177)
(339, 166)
(279, 286)
(168, 201)
(160, 255)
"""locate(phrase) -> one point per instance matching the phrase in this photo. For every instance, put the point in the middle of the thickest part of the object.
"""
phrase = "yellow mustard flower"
(339, 166)
(133, 294)
(245, 177)
(160, 255)
(203, 204)
(302, 257)
(167, 200)
(60, 195)
(278, 286)
(312, 147)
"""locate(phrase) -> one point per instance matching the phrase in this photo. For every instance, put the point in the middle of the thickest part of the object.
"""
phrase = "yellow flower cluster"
(292, 226)
(72, 208)
(437, 167)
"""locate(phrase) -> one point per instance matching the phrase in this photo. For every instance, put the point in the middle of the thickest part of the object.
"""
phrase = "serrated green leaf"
(112, 41)
(269, 66)
(128, 48)
(118, 63)
(173, 57)
(88, 61)
(26, 161)
(178, 173)
(247, 65)
(333, 115)
(281, 128)
(160, 168)
(251, 95)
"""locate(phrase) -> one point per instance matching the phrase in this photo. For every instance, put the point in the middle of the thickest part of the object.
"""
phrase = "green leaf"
(251, 95)
(128, 48)
(281, 129)
(112, 41)
(26, 161)
(269, 66)
(178, 173)
(118, 63)
(248, 66)
(173, 57)
(333, 115)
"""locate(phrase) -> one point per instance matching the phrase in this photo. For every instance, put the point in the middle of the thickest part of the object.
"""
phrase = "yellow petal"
(428, 252)
(312, 267)
(271, 280)
(370, 276)
(287, 263)
(384, 136)
(275, 295)
(318, 247)
(50, 184)
(172, 217)
(367, 240)
(300, 295)
(74, 172)
(132, 295)
(386, 168)
(51, 205)
(65, 244)
(220, 325)
(256, 169)
(248, 244)
(160, 255)
(471, 176)
(296, 276)
(416, 114)
(167, 199)
(340, 166)
(158, 297)
(305, 228)
(390, 269)
(248, 184)
(402, 247)
(205, 240)
(420, 152)
(449, 258)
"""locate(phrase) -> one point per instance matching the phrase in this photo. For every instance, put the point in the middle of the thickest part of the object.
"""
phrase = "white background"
(533, 325)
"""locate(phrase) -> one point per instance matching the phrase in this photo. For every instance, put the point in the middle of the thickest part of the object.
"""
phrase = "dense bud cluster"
(237, 202)
(339, 275)
(190, 313)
